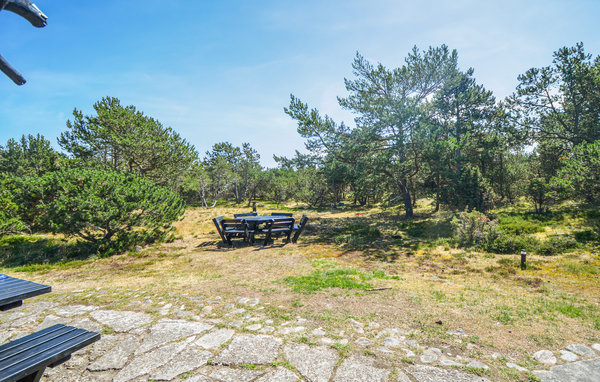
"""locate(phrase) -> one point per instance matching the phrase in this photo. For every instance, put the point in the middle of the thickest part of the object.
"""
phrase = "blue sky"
(223, 70)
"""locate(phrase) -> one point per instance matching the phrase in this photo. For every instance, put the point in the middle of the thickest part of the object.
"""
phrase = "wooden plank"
(13, 289)
(29, 354)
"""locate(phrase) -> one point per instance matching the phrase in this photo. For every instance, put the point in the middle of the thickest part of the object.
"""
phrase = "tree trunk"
(237, 195)
(437, 194)
(408, 208)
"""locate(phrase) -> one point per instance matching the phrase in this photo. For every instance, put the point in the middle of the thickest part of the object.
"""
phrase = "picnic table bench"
(13, 291)
(26, 358)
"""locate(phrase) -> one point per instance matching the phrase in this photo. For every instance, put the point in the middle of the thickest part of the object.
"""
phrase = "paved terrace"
(243, 345)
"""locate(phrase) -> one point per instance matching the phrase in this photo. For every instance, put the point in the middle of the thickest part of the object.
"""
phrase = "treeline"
(425, 129)
(428, 128)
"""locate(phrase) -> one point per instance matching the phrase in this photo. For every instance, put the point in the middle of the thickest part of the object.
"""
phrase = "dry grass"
(503, 309)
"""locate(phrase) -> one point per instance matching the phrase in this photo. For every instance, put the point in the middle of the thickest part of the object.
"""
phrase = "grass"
(324, 278)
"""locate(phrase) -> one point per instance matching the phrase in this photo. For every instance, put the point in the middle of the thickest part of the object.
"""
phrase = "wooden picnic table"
(13, 291)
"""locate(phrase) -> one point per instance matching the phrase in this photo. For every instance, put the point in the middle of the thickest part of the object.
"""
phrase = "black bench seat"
(26, 358)
(13, 291)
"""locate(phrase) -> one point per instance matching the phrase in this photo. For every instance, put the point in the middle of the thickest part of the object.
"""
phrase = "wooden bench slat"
(32, 337)
(12, 289)
(38, 350)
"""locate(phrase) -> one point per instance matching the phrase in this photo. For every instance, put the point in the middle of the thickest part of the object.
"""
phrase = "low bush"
(474, 229)
(112, 210)
(557, 244)
(506, 244)
(517, 225)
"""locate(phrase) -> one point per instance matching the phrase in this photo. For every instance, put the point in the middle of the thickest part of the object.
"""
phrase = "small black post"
(523, 260)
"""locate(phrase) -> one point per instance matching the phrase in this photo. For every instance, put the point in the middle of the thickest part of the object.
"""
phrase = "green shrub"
(112, 210)
(585, 236)
(517, 225)
(474, 229)
(506, 244)
(556, 245)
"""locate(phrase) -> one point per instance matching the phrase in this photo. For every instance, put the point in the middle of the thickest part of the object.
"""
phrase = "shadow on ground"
(382, 236)
(17, 251)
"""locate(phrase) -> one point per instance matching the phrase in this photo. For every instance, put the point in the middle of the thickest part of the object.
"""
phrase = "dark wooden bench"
(25, 359)
(231, 228)
(286, 214)
(278, 227)
(299, 228)
(13, 291)
(244, 214)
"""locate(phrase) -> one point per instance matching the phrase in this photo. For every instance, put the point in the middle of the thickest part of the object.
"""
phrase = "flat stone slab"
(280, 374)
(121, 321)
(214, 340)
(50, 320)
(566, 355)
(424, 373)
(516, 367)
(147, 362)
(258, 349)
(170, 330)
(187, 360)
(87, 324)
(581, 350)
(545, 356)
(429, 356)
(225, 374)
(360, 369)
(580, 371)
(314, 363)
(117, 357)
(74, 310)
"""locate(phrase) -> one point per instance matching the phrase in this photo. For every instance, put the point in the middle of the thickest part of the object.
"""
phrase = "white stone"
(170, 330)
(545, 356)
(74, 310)
(253, 327)
(225, 374)
(257, 349)
(448, 362)
(187, 360)
(581, 350)
(457, 332)
(478, 365)
(319, 332)
(596, 347)
(214, 340)
(360, 369)
(516, 367)
(280, 374)
(117, 357)
(147, 362)
(384, 350)
(566, 355)
(364, 341)
(391, 342)
(314, 363)
(121, 321)
(429, 356)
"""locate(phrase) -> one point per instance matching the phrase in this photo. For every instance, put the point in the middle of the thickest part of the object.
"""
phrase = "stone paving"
(243, 345)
